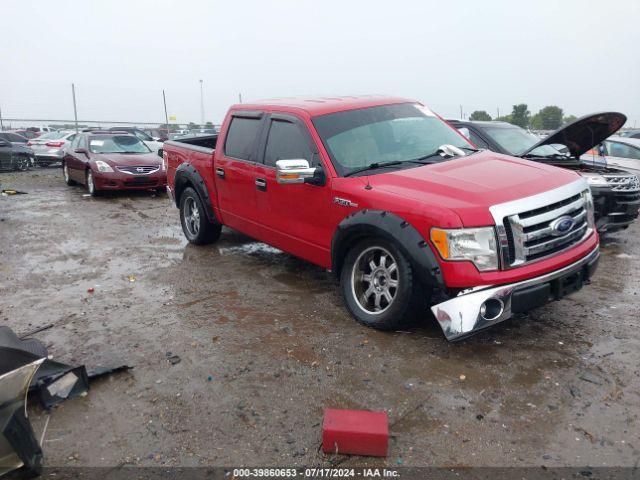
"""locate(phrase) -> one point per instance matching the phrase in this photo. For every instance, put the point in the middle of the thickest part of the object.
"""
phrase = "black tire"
(65, 175)
(195, 223)
(403, 307)
(23, 163)
(91, 187)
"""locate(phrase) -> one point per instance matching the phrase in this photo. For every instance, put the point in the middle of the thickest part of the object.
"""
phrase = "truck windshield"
(117, 144)
(516, 141)
(379, 135)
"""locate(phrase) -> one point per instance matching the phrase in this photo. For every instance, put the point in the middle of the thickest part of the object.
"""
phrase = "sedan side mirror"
(294, 171)
(82, 150)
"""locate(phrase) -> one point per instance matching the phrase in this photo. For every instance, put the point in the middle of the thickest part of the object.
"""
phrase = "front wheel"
(195, 223)
(23, 163)
(378, 286)
(91, 186)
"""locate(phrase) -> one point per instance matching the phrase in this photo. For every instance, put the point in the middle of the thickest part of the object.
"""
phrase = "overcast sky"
(581, 55)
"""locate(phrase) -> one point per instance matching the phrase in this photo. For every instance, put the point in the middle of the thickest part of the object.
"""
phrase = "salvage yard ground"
(238, 347)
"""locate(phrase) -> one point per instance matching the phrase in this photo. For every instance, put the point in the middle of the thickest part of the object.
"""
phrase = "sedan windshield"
(516, 141)
(117, 144)
(356, 139)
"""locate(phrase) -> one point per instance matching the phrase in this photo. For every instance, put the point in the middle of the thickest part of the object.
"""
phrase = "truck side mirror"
(294, 171)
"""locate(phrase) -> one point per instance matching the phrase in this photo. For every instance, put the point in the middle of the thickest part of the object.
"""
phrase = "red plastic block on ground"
(356, 432)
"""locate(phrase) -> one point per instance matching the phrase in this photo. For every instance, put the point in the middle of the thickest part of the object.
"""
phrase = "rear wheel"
(378, 285)
(195, 223)
(65, 173)
(91, 186)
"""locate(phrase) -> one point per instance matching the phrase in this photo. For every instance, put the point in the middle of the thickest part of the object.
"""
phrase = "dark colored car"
(105, 160)
(616, 193)
(14, 153)
(28, 134)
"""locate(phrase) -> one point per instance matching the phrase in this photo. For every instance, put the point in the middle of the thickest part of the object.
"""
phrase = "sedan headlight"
(595, 180)
(477, 245)
(103, 166)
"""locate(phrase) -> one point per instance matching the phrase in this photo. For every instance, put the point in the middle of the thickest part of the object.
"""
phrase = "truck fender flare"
(368, 223)
(188, 176)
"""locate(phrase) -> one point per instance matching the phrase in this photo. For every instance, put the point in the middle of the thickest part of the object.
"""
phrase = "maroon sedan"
(112, 161)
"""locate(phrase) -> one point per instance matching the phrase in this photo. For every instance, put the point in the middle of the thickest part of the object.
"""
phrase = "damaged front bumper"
(481, 307)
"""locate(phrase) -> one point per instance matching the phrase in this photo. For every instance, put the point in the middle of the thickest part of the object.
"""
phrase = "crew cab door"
(235, 172)
(294, 217)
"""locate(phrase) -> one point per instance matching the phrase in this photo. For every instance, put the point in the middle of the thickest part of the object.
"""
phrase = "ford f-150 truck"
(396, 202)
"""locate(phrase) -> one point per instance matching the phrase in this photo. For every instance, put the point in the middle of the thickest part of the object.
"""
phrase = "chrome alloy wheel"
(374, 280)
(191, 216)
(65, 171)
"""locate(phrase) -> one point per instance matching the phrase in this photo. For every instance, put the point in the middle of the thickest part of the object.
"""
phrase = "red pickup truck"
(397, 203)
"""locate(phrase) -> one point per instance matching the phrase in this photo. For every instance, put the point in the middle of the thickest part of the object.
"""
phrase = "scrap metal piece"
(18, 444)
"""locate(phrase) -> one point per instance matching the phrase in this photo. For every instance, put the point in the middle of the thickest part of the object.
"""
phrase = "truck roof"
(316, 106)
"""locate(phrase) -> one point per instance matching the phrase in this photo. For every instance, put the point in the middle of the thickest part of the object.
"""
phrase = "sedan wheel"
(67, 177)
(91, 187)
(23, 163)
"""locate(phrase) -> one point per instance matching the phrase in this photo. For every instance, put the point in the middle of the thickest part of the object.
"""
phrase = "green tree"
(569, 119)
(549, 118)
(505, 118)
(208, 125)
(521, 115)
(192, 126)
(480, 115)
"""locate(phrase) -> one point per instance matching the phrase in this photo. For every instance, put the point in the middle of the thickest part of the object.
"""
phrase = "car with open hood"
(393, 200)
(616, 192)
(112, 160)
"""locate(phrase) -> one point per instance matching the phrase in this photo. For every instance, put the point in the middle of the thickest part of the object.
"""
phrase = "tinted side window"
(285, 142)
(241, 137)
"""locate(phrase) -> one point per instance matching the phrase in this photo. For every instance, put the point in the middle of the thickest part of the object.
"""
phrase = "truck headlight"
(588, 205)
(595, 180)
(477, 245)
(103, 166)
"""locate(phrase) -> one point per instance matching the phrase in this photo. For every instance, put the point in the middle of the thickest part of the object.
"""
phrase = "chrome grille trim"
(623, 183)
(512, 248)
(146, 169)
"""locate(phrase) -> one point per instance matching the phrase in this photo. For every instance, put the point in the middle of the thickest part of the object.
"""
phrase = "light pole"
(201, 105)
(75, 110)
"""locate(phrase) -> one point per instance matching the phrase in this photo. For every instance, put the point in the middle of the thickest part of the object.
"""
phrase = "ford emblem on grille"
(140, 169)
(561, 225)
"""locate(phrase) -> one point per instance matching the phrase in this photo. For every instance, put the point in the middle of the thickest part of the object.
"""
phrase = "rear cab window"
(241, 137)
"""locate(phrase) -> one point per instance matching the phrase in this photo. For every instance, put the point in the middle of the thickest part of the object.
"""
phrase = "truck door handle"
(220, 172)
(261, 184)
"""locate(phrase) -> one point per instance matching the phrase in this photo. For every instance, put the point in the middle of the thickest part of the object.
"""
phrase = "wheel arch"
(188, 176)
(391, 227)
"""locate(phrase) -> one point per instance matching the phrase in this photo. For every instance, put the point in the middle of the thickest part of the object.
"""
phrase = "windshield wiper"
(373, 166)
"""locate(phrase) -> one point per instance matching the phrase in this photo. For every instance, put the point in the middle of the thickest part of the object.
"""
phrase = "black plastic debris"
(18, 444)
(54, 382)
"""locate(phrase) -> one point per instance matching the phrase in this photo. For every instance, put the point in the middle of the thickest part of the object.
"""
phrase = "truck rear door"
(235, 170)
(296, 217)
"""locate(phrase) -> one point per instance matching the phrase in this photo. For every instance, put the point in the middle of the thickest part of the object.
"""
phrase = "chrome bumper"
(461, 316)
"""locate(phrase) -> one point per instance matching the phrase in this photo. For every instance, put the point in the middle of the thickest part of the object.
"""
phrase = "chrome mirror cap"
(293, 171)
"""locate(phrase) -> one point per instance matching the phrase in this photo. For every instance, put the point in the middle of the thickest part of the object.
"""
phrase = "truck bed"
(199, 143)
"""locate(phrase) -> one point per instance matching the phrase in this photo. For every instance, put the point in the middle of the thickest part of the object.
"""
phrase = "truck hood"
(470, 185)
(584, 133)
(129, 160)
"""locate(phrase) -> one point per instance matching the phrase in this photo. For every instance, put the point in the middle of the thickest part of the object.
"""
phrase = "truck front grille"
(623, 183)
(546, 230)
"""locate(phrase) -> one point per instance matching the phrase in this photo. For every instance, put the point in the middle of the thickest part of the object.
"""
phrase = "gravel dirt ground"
(265, 344)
